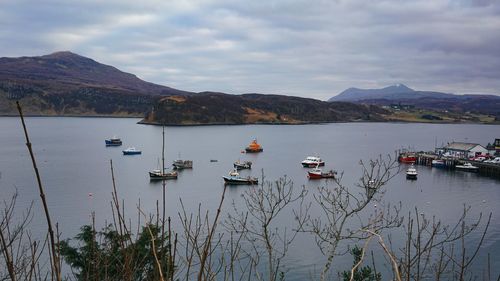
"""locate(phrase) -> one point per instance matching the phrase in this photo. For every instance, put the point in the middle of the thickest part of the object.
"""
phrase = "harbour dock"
(425, 159)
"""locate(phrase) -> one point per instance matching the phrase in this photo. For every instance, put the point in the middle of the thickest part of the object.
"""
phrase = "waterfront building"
(464, 150)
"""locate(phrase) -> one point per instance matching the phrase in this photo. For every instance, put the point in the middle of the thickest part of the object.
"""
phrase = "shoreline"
(143, 122)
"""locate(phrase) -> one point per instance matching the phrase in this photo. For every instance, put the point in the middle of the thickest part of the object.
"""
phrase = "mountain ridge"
(64, 71)
(401, 94)
(64, 83)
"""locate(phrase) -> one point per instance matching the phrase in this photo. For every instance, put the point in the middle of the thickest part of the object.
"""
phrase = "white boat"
(312, 161)
(467, 167)
(235, 178)
(411, 173)
(131, 151)
(438, 163)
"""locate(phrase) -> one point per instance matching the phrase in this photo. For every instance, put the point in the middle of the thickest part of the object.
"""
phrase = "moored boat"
(317, 173)
(409, 158)
(131, 151)
(162, 174)
(114, 141)
(159, 175)
(438, 163)
(312, 161)
(254, 147)
(411, 173)
(235, 178)
(467, 167)
(182, 164)
(242, 165)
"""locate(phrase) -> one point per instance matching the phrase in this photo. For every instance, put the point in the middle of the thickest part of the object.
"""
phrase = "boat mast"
(163, 151)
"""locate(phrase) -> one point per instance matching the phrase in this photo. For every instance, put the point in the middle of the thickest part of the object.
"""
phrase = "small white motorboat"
(467, 167)
(411, 173)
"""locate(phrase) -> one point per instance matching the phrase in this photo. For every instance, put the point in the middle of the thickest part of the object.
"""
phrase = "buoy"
(375, 205)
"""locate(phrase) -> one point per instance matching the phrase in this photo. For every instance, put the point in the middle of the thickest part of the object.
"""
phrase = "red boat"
(408, 158)
(317, 173)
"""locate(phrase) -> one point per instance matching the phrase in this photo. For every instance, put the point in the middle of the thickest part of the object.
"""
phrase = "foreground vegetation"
(247, 243)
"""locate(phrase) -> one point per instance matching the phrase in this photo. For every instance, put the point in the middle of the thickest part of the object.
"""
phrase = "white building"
(464, 149)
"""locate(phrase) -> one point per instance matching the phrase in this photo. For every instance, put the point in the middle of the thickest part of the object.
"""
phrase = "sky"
(308, 48)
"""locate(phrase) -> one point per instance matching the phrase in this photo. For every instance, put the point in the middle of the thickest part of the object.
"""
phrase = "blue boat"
(131, 151)
(114, 141)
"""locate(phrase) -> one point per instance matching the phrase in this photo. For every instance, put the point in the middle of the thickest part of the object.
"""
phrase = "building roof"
(464, 146)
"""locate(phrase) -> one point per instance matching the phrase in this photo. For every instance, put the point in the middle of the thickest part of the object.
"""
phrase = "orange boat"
(254, 147)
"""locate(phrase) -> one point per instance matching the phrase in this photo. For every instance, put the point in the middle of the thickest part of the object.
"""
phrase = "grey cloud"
(306, 48)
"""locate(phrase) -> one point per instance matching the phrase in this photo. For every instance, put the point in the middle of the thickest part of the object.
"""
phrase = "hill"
(398, 91)
(65, 83)
(219, 108)
(402, 95)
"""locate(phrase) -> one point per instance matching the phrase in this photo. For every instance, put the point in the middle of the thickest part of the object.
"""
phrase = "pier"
(425, 159)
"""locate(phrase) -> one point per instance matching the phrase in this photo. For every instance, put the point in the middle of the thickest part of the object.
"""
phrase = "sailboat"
(162, 174)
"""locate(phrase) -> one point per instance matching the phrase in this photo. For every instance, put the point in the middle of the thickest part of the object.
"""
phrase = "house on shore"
(494, 148)
(464, 150)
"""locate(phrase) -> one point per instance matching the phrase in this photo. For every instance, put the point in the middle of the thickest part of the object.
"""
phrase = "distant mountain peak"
(400, 88)
(356, 94)
(61, 54)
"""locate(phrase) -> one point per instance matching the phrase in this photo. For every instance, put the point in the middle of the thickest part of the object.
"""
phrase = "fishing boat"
(162, 174)
(182, 164)
(235, 178)
(411, 173)
(408, 158)
(254, 147)
(157, 174)
(131, 151)
(312, 161)
(438, 163)
(467, 167)
(317, 173)
(242, 165)
(114, 141)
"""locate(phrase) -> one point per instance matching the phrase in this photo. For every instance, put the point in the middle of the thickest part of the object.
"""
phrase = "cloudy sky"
(310, 48)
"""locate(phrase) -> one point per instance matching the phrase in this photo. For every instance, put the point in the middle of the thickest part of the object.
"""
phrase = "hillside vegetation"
(218, 108)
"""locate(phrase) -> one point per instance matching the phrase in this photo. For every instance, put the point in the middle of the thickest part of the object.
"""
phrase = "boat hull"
(408, 159)
(316, 176)
(131, 152)
(243, 181)
(471, 170)
(167, 176)
(411, 176)
(253, 150)
(113, 143)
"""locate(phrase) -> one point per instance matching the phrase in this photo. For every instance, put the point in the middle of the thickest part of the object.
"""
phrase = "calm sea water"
(74, 163)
